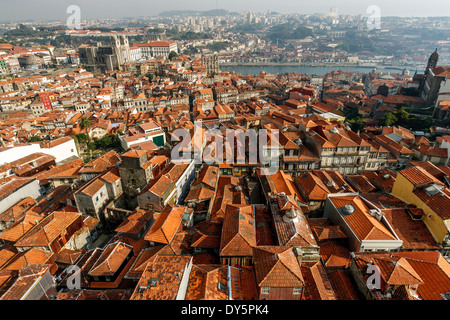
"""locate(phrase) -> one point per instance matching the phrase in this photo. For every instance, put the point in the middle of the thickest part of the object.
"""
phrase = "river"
(311, 70)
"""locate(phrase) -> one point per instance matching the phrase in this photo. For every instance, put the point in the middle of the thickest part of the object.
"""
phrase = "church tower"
(432, 61)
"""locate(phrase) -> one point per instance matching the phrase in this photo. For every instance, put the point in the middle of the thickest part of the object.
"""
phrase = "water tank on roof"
(347, 209)
(290, 215)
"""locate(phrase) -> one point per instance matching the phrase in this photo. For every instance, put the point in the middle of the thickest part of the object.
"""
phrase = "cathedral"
(111, 56)
(431, 80)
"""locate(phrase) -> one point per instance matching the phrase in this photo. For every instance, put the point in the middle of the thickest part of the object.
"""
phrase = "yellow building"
(416, 186)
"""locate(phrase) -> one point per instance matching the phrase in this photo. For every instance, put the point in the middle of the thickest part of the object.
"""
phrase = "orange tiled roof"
(418, 176)
(434, 271)
(112, 257)
(21, 227)
(166, 225)
(238, 232)
(49, 229)
(207, 235)
(342, 285)
(334, 255)
(161, 278)
(30, 257)
(134, 223)
(317, 286)
(360, 221)
(208, 282)
(414, 233)
(277, 266)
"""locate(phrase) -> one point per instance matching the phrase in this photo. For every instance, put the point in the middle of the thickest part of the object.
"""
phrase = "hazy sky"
(56, 9)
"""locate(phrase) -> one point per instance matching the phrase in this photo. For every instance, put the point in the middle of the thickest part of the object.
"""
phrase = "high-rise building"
(334, 12)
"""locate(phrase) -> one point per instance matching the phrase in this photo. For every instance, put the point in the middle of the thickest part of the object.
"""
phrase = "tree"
(356, 124)
(108, 141)
(389, 119)
(85, 123)
(81, 138)
(35, 139)
(402, 115)
(173, 54)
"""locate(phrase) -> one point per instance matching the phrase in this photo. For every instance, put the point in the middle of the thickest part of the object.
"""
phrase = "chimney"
(376, 214)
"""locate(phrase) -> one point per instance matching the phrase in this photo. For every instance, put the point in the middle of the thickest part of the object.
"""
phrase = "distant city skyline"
(24, 10)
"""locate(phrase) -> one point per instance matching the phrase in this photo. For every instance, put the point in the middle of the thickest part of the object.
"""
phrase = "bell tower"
(432, 61)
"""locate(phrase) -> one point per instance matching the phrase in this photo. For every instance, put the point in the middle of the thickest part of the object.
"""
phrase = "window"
(222, 287)
(297, 290)
(265, 290)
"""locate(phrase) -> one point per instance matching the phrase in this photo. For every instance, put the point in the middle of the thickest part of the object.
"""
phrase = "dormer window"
(433, 189)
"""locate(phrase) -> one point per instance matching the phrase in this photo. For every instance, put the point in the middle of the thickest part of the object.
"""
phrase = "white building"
(157, 49)
(171, 187)
(351, 211)
(135, 54)
(144, 133)
(61, 149)
(18, 189)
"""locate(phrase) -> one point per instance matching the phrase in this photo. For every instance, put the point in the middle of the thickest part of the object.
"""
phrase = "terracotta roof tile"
(161, 278)
(317, 286)
(112, 257)
(342, 284)
(238, 232)
(334, 255)
(365, 226)
(166, 225)
(208, 282)
(277, 266)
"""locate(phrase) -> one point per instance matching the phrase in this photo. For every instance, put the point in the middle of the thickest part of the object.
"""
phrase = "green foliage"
(81, 138)
(173, 54)
(108, 141)
(85, 123)
(355, 43)
(247, 28)
(354, 119)
(402, 118)
(286, 32)
(389, 119)
(59, 40)
(35, 139)
(352, 114)
(188, 35)
(217, 46)
(402, 115)
(191, 50)
(356, 124)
